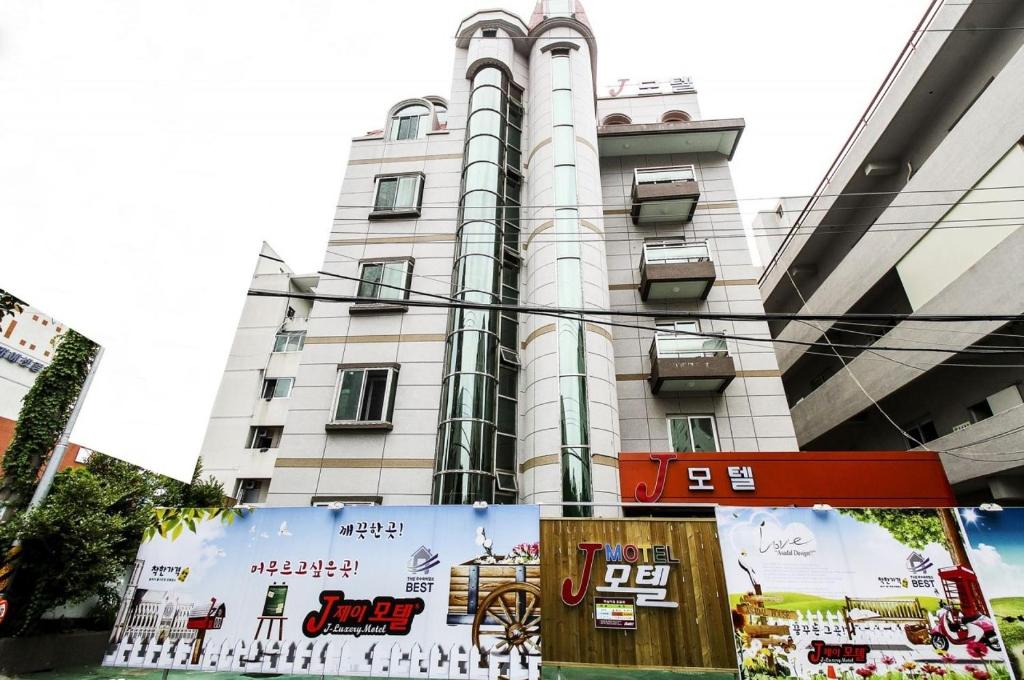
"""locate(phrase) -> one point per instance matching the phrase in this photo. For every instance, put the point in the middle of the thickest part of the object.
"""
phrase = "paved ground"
(101, 673)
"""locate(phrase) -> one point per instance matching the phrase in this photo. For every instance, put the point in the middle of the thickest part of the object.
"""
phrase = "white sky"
(147, 148)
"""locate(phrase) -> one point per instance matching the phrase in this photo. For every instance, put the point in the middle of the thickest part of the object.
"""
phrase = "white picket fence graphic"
(884, 638)
(326, 657)
(147, 618)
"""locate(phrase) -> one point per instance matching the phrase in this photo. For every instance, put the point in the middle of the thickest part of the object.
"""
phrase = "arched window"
(675, 117)
(616, 119)
(409, 122)
(441, 111)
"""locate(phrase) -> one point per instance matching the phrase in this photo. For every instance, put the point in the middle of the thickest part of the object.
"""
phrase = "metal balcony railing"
(674, 252)
(673, 346)
(681, 173)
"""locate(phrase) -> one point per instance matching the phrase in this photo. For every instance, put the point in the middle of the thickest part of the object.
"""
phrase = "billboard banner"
(423, 592)
(872, 594)
(996, 540)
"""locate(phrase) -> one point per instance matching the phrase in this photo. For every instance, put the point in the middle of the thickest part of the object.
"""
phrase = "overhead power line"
(588, 314)
(613, 204)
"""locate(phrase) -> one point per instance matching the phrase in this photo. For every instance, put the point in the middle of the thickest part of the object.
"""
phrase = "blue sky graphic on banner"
(997, 553)
(855, 594)
(382, 591)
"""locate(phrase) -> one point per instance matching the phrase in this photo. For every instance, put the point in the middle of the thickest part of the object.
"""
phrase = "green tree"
(9, 304)
(78, 544)
(44, 414)
(913, 528)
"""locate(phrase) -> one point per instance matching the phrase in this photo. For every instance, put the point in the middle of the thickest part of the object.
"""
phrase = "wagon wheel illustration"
(514, 608)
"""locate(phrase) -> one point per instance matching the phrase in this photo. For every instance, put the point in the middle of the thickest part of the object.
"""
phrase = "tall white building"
(529, 185)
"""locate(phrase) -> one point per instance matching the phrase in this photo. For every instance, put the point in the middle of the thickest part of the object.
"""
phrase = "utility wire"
(545, 36)
(576, 314)
(853, 376)
(674, 331)
(650, 328)
(612, 204)
(611, 235)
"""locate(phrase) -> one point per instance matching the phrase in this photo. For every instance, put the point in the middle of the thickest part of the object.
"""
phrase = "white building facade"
(27, 343)
(420, 380)
(918, 215)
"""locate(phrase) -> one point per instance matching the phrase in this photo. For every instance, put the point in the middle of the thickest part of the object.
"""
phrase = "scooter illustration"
(963, 617)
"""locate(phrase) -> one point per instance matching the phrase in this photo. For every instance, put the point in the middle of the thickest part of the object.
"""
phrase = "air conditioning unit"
(962, 426)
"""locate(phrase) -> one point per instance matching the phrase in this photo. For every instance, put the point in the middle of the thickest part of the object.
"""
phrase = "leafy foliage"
(44, 414)
(79, 543)
(913, 528)
(171, 522)
(10, 305)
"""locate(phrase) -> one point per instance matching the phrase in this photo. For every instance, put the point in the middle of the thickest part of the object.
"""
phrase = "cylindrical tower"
(570, 438)
(475, 458)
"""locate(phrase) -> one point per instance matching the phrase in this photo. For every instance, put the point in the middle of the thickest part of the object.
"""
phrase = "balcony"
(662, 195)
(691, 136)
(695, 365)
(675, 270)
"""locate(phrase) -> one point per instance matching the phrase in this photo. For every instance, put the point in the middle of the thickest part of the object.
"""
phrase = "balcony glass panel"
(660, 175)
(675, 251)
(672, 346)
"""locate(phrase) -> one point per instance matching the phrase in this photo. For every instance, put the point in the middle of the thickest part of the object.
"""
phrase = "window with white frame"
(397, 193)
(265, 437)
(688, 434)
(410, 122)
(385, 280)
(366, 394)
(290, 341)
(277, 388)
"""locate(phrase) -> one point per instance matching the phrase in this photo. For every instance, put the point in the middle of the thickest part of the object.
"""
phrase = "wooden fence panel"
(697, 634)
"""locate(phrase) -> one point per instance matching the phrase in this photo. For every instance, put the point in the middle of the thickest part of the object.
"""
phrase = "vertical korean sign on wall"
(875, 593)
(633, 593)
(378, 591)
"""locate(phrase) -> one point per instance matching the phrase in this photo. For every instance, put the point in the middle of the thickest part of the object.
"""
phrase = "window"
(251, 490)
(277, 388)
(924, 431)
(510, 356)
(290, 341)
(409, 122)
(616, 119)
(490, 33)
(366, 395)
(264, 437)
(441, 111)
(980, 411)
(675, 117)
(692, 433)
(559, 8)
(398, 194)
(387, 280)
